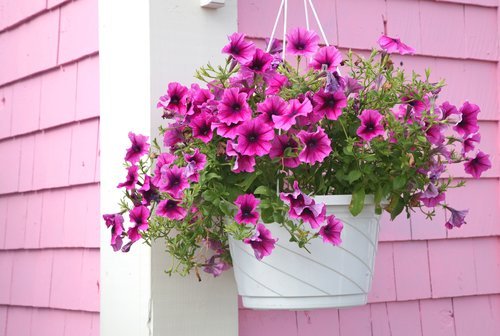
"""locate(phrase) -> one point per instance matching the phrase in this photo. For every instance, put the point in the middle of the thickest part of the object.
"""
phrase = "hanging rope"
(307, 15)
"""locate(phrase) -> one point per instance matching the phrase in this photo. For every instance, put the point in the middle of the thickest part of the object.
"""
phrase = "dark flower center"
(175, 99)
(171, 205)
(300, 46)
(175, 181)
(256, 65)
(312, 143)
(330, 102)
(235, 50)
(253, 137)
(246, 211)
(236, 107)
(370, 126)
(204, 130)
(136, 148)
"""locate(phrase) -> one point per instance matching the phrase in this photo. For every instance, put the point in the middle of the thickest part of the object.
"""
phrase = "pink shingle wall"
(49, 185)
(428, 281)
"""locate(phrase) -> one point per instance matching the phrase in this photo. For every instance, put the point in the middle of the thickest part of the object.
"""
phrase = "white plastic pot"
(292, 278)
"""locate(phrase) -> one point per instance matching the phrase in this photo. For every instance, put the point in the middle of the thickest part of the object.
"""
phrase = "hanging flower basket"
(234, 178)
(293, 278)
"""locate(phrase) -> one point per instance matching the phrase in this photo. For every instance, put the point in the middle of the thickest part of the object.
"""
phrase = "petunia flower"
(294, 109)
(282, 143)
(329, 104)
(352, 86)
(202, 127)
(162, 160)
(132, 178)
(215, 267)
(304, 207)
(234, 107)
(478, 165)
(173, 181)
(276, 46)
(435, 134)
(316, 146)
(115, 222)
(170, 208)
(371, 125)
(262, 242)
(195, 163)
(243, 163)
(200, 99)
(140, 146)
(457, 218)
(173, 135)
(431, 197)
(226, 131)
(468, 124)
(302, 42)
(259, 63)
(469, 141)
(275, 83)
(247, 205)
(176, 98)
(330, 57)
(448, 110)
(148, 191)
(139, 217)
(332, 230)
(239, 48)
(254, 138)
(273, 105)
(394, 45)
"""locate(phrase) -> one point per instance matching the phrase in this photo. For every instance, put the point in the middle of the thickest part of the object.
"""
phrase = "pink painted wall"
(49, 180)
(428, 281)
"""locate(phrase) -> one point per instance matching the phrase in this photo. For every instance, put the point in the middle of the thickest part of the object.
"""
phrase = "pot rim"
(340, 199)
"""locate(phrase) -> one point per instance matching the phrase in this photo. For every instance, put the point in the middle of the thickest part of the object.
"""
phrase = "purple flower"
(352, 86)
(273, 105)
(201, 99)
(468, 143)
(431, 196)
(176, 98)
(132, 178)
(316, 146)
(162, 160)
(468, 124)
(478, 165)
(329, 104)
(170, 208)
(448, 110)
(173, 181)
(234, 107)
(243, 163)
(148, 191)
(394, 45)
(302, 42)
(260, 62)
(173, 135)
(115, 222)
(278, 147)
(371, 125)
(254, 138)
(195, 163)
(247, 204)
(294, 109)
(457, 218)
(139, 216)
(304, 207)
(276, 46)
(262, 242)
(326, 56)
(332, 230)
(239, 48)
(215, 267)
(202, 127)
(435, 134)
(226, 131)
(140, 146)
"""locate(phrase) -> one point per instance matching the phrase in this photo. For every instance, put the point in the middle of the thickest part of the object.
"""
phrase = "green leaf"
(353, 176)
(263, 190)
(357, 202)
(249, 180)
(397, 205)
(399, 182)
(267, 215)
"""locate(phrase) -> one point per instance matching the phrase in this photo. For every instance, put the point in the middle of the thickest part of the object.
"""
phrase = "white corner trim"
(124, 58)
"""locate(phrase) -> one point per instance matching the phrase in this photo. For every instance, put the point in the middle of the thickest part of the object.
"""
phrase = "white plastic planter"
(292, 278)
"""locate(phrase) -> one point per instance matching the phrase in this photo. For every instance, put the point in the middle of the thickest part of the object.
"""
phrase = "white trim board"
(143, 46)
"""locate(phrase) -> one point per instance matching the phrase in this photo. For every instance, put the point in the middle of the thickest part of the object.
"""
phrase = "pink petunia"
(132, 178)
(234, 107)
(302, 42)
(468, 124)
(254, 138)
(202, 127)
(173, 181)
(329, 104)
(239, 48)
(139, 147)
(282, 143)
(294, 109)
(330, 57)
(316, 146)
(243, 163)
(162, 160)
(259, 63)
(304, 207)
(478, 165)
(247, 205)
(262, 242)
(171, 209)
(272, 106)
(176, 98)
(394, 45)
(332, 231)
(115, 222)
(371, 125)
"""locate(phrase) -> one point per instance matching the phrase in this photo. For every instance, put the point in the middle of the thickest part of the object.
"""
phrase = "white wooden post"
(143, 46)
(185, 36)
